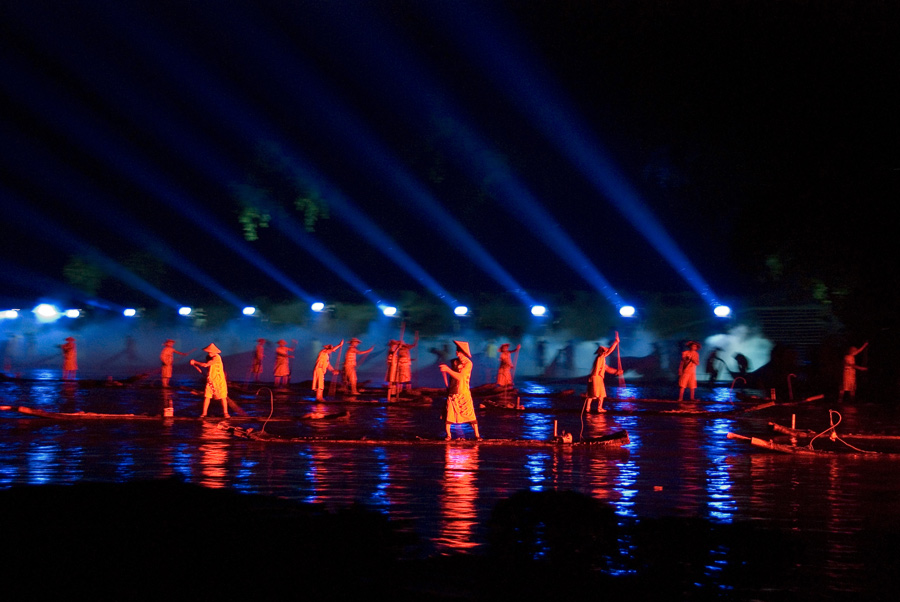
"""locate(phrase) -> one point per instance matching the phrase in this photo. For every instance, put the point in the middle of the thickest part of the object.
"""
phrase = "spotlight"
(184, 311)
(9, 314)
(73, 313)
(627, 311)
(129, 312)
(539, 311)
(249, 310)
(46, 312)
(390, 311)
(461, 310)
(722, 311)
(317, 306)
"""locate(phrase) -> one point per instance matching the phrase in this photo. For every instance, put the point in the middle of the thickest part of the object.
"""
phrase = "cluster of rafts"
(493, 398)
(827, 443)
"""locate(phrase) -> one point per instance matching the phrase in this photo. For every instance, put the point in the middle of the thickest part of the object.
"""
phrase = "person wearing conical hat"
(348, 372)
(687, 369)
(460, 406)
(404, 364)
(70, 359)
(258, 354)
(282, 363)
(216, 384)
(167, 357)
(323, 364)
(596, 388)
(504, 372)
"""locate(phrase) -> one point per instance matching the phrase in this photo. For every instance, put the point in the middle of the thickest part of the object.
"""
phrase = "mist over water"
(122, 347)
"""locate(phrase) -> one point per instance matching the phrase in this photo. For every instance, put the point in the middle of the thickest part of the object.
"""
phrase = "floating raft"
(683, 409)
(100, 416)
(613, 440)
(842, 446)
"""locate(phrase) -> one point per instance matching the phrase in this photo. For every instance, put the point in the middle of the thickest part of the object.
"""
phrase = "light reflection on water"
(674, 466)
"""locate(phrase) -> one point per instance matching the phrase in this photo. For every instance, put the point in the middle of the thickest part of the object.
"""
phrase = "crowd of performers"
(457, 372)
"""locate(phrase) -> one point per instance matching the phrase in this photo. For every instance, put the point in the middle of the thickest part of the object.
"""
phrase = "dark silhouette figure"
(712, 366)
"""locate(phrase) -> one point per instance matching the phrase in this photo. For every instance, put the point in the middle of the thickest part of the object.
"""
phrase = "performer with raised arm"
(596, 386)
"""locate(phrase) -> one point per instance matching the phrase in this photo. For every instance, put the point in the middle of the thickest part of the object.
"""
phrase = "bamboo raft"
(843, 446)
(157, 417)
(613, 440)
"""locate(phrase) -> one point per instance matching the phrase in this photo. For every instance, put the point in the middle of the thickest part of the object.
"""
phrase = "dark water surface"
(677, 464)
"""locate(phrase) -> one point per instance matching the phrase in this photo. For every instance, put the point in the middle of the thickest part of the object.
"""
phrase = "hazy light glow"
(389, 310)
(461, 310)
(184, 311)
(10, 314)
(538, 311)
(129, 312)
(73, 313)
(249, 311)
(45, 311)
(722, 311)
(317, 306)
(627, 311)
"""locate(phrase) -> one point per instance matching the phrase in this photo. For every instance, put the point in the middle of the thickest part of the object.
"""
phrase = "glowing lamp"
(46, 311)
(73, 313)
(10, 314)
(722, 311)
(390, 311)
(318, 306)
(627, 311)
(249, 311)
(129, 312)
(538, 311)
(461, 310)
(184, 311)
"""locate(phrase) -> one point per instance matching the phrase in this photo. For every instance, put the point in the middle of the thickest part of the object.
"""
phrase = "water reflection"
(213, 456)
(718, 477)
(537, 426)
(458, 502)
(674, 465)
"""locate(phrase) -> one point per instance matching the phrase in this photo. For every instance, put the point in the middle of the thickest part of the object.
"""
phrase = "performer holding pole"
(323, 364)
(348, 377)
(216, 383)
(460, 406)
(167, 358)
(596, 388)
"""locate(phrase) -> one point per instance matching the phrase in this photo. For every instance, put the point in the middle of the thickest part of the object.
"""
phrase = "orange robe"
(323, 364)
(70, 356)
(504, 372)
(216, 384)
(460, 407)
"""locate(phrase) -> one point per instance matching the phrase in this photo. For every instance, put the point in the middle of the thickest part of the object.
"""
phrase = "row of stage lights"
(48, 313)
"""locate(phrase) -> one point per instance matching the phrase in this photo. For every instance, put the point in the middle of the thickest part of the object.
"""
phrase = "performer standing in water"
(258, 355)
(687, 369)
(848, 380)
(460, 406)
(70, 359)
(348, 377)
(404, 365)
(167, 357)
(504, 372)
(596, 386)
(323, 364)
(216, 384)
(282, 363)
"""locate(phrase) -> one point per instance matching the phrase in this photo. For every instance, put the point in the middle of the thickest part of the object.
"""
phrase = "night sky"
(137, 132)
